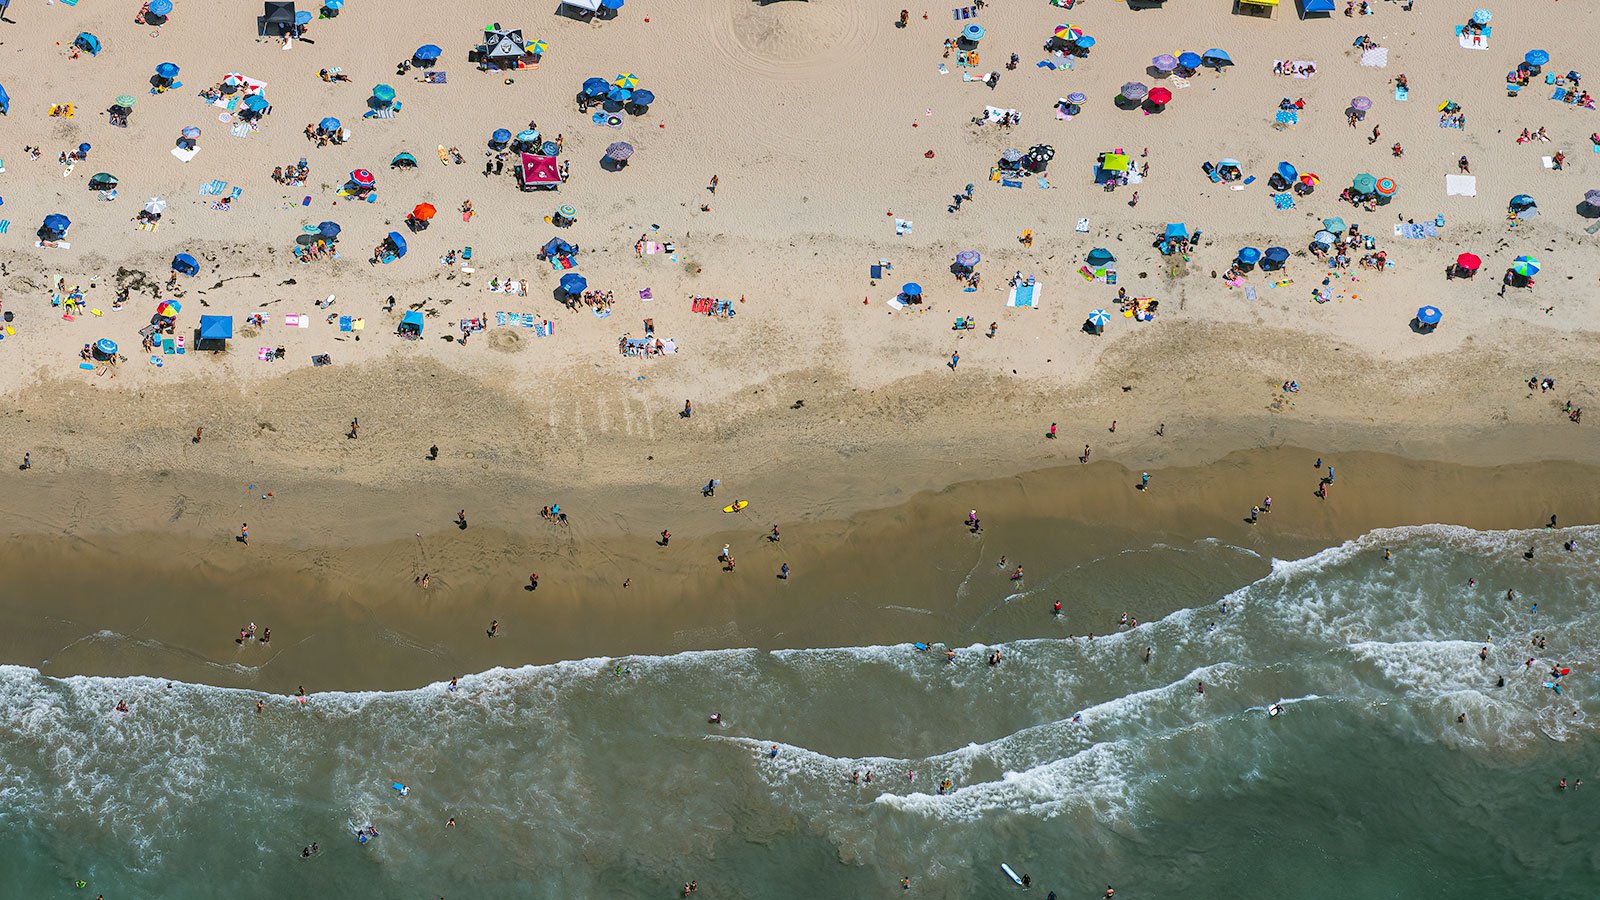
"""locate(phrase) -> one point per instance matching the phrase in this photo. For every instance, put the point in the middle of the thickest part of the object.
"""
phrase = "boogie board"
(401, 789)
(736, 506)
(1006, 868)
(444, 155)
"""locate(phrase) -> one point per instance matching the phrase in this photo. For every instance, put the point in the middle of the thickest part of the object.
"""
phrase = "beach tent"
(1098, 257)
(88, 43)
(403, 161)
(411, 322)
(502, 46)
(398, 244)
(580, 7)
(276, 19)
(1318, 6)
(184, 264)
(539, 171)
(1216, 58)
(214, 330)
(557, 247)
(1176, 231)
(5, 100)
(1522, 202)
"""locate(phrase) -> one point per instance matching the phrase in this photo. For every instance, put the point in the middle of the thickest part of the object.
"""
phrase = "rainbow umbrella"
(627, 80)
(1310, 179)
(1386, 187)
(1526, 266)
(1068, 32)
(169, 308)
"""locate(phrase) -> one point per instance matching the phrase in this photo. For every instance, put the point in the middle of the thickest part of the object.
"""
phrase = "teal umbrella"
(383, 93)
(1526, 266)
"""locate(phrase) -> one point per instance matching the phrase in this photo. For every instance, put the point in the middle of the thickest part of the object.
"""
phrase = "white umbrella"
(1099, 318)
(155, 206)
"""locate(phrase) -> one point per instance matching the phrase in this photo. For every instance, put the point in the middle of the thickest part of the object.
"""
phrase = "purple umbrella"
(968, 258)
(1361, 103)
(620, 151)
(1133, 90)
(1166, 62)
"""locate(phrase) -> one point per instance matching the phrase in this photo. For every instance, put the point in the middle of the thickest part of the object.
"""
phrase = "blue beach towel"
(213, 188)
(1283, 201)
(1560, 94)
(1401, 94)
(5, 224)
(1287, 117)
(963, 12)
(1008, 183)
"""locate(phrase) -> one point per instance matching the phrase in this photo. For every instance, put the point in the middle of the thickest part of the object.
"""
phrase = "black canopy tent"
(276, 20)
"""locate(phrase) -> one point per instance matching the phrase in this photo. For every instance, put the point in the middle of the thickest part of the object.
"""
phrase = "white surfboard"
(1006, 868)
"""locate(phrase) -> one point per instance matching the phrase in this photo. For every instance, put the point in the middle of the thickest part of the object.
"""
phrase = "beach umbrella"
(1325, 238)
(1361, 103)
(155, 206)
(1077, 97)
(329, 230)
(1249, 255)
(643, 98)
(190, 131)
(1068, 32)
(428, 52)
(1482, 17)
(329, 124)
(1041, 153)
(83, 148)
(620, 151)
(383, 93)
(1592, 198)
(1310, 179)
(1364, 183)
(107, 346)
(1217, 57)
(169, 308)
(167, 70)
(567, 211)
(595, 87)
(968, 258)
(363, 178)
(1099, 318)
(500, 136)
(303, 17)
(1189, 60)
(1276, 254)
(57, 222)
(161, 8)
(527, 135)
(1536, 58)
(334, 5)
(1115, 162)
(1526, 266)
(1134, 90)
(1469, 262)
(126, 101)
(538, 48)
(1159, 96)
(5, 100)
(1429, 315)
(618, 95)
(398, 243)
(911, 289)
(256, 103)
(548, 148)
(1287, 172)
(611, 4)
(403, 159)
(626, 80)
(232, 81)
(1523, 201)
(1166, 62)
(423, 212)
(1386, 187)
(973, 32)
(1085, 42)
(1011, 154)
(103, 181)
(1099, 256)
(573, 283)
(186, 264)
(1334, 224)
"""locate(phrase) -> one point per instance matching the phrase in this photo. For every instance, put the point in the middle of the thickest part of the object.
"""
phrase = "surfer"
(1275, 709)
(1027, 880)
(452, 683)
(122, 705)
(716, 718)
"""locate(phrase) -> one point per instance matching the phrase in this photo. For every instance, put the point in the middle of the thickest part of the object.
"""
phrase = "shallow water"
(603, 778)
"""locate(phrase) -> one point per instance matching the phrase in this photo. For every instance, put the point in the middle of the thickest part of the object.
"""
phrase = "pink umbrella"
(363, 178)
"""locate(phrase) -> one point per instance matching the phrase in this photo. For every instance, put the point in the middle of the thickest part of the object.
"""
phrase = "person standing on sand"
(355, 429)
(712, 187)
(494, 627)
(1085, 457)
(533, 581)
(666, 537)
(1051, 434)
(197, 435)
(27, 461)
(244, 534)
(955, 360)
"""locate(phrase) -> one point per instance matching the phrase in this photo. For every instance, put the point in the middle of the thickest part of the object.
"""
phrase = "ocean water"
(604, 778)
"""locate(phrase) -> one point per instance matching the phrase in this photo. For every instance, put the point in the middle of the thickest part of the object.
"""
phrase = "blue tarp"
(216, 328)
(185, 264)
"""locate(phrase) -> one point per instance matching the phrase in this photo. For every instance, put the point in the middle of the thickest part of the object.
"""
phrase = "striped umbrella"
(1592, 198)
(1526, 266)
(1077, 97)
(1310, 179)
(383, 93)
(568, 211)
(627, 80)
(620, 151)
(126, 101)
(363, 178)
(968, 258)
(169, 308)
(1134, 90)
(1166, 62)
(1386, 187)
(538, 47)
(1068, 32)
(1099, 318)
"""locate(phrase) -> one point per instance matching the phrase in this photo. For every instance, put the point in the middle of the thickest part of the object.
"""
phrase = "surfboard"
(444, 155)
(1006, 868)
(736, 506)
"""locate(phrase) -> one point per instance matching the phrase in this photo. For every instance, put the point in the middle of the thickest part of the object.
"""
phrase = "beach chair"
(1513, 89)
(1211, 171)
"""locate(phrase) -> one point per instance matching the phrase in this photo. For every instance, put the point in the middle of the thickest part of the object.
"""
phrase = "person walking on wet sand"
(27, 461)
(494, 627)
(688, 410)
(197, 435)
(461, 520)
(244, 534)
(666, 537)
(1085, 457)
(533, 581)
(773, 537)
(355, 429)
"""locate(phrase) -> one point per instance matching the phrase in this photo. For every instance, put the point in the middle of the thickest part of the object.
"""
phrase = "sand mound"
(782, 38)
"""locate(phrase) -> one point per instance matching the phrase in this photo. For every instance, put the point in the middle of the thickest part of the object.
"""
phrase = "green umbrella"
(126, 101)
(1365, 183)
(1526, 266)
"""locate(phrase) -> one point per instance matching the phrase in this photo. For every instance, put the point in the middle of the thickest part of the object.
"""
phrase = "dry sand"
(805, 111)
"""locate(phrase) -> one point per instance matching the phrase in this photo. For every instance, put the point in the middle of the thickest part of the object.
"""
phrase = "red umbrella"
(1159, 96)
(1469, 262)
(363, 178)
(423, 212)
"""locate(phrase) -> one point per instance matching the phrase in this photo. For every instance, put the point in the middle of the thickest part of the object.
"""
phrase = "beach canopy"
(1134, 90)
(383, 93)
(403, 159)
(620, 151)
(1364, 183)
(1482, 17)
(573, 283)
(1115, 162)
(87, 43)
(1526, 266)
(422, 212)
(1386, 187)
(1166, 62)
(1469, 262)
(363, 178)
(500, 136)
(1536, 57)
(1217, 57)
(329, 124)
(412, 319)
(504, 44)
(540, 170)
(1176, 230)
(1099, 256)
(302, 17)
(169, 309)
(1361, 103)
(1249, 255)
(1189, 60)
(167, 70)
(1523, 201)
(256, 103)
(1429, 315)
(911, 289)
(1276, 254)
(643, 98)
(1099, 318)
(57, 223)
(626, 80)
(1318, 5)
(595, 87)
(102, 181)
(329, 230)
(185, 264)
(398, 243)
(557, 246)
(1159, 96)
(216, 328)
(155, 206)
(428, 53)
(973, 32)
(968, 258)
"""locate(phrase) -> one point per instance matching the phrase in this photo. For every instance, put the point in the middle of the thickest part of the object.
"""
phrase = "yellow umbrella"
(627, 80)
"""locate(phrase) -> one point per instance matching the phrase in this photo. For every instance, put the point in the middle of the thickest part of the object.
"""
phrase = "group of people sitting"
(595, 299)
(292, 175)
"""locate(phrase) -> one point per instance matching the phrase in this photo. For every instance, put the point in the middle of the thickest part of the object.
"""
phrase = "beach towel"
(1006, 182)
(545, 328)
(264, 354)
(241, 130)
(185, 155)
(1376, 58)
(895, 303)
(995, 113)
(388, 112)
(646, 294)
(1283, 201)
(435, 78)
(963, 12)
(1082, 226)
(181, 348)
(1402, 94)
(1178, 83)
(1471, 42)
(874, 272)
(1287, 117)
(138, 226)
(1249, 292)
(1461, 186)
(902, 226)
(701, 305)
(1416, 231)
(5, 225)
(344, 323)
(1560, 94)
(1449, 123)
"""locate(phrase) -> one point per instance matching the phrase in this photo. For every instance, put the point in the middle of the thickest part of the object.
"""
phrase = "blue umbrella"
(968, 258)
(1099, 318)
(1085, 42)
(973, 32)
(329, 229)
(527, 134)
(5, 100)
(500, 136)
(190, 131)
(256, 103)
(911, 289)
(1287, 171)
(398, 242)
(1536, 58)
(84, 148)
(1276, 254)
(1077, 97)
(596, 87)
(167, 70)
(548, 148)
(619, 95)
(383, 93)
(643, 97)
(303, 17)
(1429, 315)
(1217, 57)
(107, 346)
(611, 4)
(1482, 17)
(428, 52)
(161, 8)
(1189, 60)
(329, 124)
(186, 264)
(573, 283)
(57, 222)
(1522, 201)
(1249, 255)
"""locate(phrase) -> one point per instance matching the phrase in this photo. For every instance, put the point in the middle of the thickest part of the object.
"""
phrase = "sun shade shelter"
(276, 19)
(213, 333)
(539, 172)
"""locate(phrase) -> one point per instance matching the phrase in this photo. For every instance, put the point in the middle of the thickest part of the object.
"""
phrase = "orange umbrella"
(423, 212)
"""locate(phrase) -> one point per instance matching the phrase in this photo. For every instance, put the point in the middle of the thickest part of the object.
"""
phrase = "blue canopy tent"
(411, 322)
(216, 328)
(428, 54)
(557, 247)
(1318, 6)
(88, 43)
(1176, 231)
(573, 284)
(55, 226)
(1099, 256)
(397, 243)
(1216, 58)
(5, 100)
(184, 264)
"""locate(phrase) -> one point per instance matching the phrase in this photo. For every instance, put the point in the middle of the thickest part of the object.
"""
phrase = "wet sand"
(346, 614)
